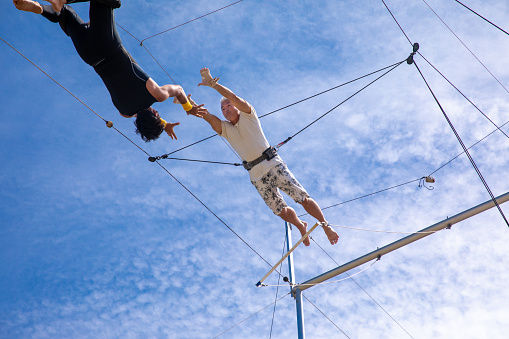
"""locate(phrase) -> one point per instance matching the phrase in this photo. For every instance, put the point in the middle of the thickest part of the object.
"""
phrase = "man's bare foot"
(303, 230)
(57, 4)
(28, 6)
(331, 234)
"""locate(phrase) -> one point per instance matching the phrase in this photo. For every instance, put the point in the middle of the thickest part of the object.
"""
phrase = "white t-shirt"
(247, 139)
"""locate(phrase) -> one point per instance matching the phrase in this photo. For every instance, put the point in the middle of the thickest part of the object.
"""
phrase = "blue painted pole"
(297, 292)
(290, 257)
(300, 314)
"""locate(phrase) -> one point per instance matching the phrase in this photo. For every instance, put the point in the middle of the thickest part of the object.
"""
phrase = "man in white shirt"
(267, 170)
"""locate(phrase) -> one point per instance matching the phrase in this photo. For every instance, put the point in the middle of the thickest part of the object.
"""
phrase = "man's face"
(230, 112)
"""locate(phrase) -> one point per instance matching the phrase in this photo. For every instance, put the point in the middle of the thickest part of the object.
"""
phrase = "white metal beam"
(402, 242)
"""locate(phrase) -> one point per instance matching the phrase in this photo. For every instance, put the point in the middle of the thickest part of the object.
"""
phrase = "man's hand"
(207, 79)
(198, 111)
(169, 129)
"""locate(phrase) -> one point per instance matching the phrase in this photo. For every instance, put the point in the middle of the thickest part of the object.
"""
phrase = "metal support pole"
(289, 245)
(297, 294)
(300, 314)
(402, 242)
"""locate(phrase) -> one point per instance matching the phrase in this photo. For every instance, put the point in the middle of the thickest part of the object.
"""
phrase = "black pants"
(99, 45)
(94, 41)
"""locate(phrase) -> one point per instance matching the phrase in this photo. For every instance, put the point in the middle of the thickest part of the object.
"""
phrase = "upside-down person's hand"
(198, 111)
(191, 101)
(169, 129)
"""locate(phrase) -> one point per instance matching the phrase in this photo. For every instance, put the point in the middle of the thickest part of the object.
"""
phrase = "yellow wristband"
(163, 122)
(187, 106)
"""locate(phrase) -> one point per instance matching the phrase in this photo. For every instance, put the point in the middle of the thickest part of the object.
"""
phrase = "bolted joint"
(415, 48)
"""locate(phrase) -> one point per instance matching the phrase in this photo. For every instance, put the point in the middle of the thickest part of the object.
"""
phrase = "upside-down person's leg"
(77, 29)
(109, 3)
(69, 21)
(57, 4)
(28, 6)
(103, 30)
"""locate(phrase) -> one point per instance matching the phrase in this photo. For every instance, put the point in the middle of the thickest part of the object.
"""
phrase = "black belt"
(268, 154)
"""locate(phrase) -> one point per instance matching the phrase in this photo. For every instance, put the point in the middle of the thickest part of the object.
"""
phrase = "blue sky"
(97, 242)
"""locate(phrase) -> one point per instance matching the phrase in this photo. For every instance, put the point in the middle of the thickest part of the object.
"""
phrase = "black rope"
(277, 288)
(319, 310)
(464, 148)
(153, 57)
(279, 109)
(125, 30)
(330, 89)
(218, 218)
(481, 17)
(362, 288)
(237, 324)
(74, 96)
(397, 22)
(217, 10)
(351, 96)
(194, 143)
(365, 196)
(468, 49)
(153, 159)
(464, 96)
(146, 49)
(141, 149)
(445, 115)
(411, 181)
(447, 163)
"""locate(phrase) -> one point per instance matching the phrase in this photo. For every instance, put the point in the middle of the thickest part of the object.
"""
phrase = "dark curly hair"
(148, 124)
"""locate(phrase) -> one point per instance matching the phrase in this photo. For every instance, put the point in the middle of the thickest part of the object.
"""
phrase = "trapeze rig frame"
(447, 223)
(296, 289)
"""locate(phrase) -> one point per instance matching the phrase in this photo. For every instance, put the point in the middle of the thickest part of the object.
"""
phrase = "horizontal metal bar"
(403, 242)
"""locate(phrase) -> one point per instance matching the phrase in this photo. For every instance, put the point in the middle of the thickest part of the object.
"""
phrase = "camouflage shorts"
(279, 177)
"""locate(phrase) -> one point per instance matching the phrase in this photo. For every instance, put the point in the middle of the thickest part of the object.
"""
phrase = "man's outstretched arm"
(238, 102)
(203, 113)
(213, 121)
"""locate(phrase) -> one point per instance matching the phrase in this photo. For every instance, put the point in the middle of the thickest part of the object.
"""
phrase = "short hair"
(223, 99)
(148, 125)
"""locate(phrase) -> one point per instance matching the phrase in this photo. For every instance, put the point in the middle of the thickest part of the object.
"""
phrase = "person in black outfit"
(97, 42)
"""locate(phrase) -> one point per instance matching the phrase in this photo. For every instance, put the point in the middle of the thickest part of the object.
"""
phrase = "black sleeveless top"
(126, 82)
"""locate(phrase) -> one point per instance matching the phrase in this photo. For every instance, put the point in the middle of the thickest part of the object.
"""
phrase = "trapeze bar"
(403, 242)
(258, 284)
